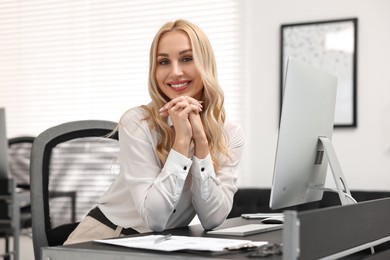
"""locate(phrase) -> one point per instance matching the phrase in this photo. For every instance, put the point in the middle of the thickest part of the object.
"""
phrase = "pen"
(245, 246)
(163, 238)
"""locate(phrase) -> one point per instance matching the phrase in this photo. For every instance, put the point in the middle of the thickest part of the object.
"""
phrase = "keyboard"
(246, 230)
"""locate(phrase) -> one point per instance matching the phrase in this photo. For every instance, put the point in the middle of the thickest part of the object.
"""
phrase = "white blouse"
(147, 196)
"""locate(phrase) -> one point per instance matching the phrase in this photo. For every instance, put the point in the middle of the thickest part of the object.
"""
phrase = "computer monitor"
(3, 147)
(304, 147)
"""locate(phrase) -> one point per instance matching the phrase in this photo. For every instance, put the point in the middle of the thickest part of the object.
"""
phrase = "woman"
(178, 156)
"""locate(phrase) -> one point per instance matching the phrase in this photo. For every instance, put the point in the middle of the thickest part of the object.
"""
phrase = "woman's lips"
(179, 85)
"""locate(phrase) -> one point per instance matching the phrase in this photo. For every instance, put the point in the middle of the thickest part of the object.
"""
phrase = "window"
(71, 60)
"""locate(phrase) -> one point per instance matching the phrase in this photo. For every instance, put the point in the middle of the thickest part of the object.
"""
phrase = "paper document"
(175, 243)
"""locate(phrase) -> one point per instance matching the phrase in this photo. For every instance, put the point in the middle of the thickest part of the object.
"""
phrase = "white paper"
(176, 243)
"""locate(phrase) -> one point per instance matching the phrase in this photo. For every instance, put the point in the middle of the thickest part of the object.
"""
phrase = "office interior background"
(70, 60)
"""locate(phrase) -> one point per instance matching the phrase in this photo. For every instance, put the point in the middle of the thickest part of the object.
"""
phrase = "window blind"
(63, 60)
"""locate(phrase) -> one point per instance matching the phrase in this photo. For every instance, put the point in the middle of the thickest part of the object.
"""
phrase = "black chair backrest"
(72, 165)
(19, 150)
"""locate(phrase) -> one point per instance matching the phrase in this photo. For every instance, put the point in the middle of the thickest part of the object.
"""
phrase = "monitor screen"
(308, 108)
(3, 146)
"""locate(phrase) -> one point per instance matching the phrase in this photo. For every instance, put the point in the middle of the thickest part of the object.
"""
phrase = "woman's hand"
(179, 110)
(195, 104)
(199, 136)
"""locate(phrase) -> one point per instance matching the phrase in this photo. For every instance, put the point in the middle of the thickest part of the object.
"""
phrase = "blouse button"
(174, 211)
(185, 168)
(202, 169)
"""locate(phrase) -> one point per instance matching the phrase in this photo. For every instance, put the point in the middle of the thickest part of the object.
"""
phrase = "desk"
(331, 233)
(99, 251)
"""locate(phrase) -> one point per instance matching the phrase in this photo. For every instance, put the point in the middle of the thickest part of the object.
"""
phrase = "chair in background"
(19, 150)
(11, 216)
(6, 229)
(15, 208)
(72, 165)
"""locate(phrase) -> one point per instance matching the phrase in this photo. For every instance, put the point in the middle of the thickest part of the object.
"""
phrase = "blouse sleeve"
(155, 191)
(213, 192)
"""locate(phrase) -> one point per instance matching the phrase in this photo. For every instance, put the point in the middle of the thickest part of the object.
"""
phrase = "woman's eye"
(187, 59)
(163, 61)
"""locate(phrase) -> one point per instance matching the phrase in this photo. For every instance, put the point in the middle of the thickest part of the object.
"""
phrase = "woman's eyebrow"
(185, 51)
(163, 54)
(180, 53)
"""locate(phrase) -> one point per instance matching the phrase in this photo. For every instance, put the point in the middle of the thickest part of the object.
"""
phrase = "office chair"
(6, 229)
(72, 165)
(15, 208)
(19, 150)
(11, 218)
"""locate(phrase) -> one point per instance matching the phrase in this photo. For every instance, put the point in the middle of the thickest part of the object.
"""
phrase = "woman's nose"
(176, 69)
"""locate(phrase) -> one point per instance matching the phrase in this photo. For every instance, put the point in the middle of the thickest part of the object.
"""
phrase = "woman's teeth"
(179, 85)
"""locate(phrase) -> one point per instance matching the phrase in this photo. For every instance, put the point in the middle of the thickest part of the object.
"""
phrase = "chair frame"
(39, 171)
(13, 199)
(20, 140)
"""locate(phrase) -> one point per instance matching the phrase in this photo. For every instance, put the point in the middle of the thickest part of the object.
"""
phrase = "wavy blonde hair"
(213, 114)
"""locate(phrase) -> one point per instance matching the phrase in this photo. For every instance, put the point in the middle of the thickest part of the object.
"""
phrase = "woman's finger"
(180, 103)
(189, 100)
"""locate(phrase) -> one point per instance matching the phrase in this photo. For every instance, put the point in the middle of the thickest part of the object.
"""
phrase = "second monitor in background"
(4, 167)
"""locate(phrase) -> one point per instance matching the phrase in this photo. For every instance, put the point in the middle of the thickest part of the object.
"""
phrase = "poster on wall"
(331, 46)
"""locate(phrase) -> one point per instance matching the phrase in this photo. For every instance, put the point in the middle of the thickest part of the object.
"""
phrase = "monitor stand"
(338, 176)
(339, 179)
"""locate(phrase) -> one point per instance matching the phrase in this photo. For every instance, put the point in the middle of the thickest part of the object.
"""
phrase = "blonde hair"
(213, 114)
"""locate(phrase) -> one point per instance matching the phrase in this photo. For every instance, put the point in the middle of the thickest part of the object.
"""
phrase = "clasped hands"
(184, 112)
(182, 104)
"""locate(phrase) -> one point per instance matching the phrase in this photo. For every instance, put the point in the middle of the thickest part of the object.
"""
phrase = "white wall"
(364, 152)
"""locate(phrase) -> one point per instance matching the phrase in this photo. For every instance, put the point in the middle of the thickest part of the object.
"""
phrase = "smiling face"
(176, 73)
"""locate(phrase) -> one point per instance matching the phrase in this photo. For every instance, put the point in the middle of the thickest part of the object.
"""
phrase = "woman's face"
(176, 73)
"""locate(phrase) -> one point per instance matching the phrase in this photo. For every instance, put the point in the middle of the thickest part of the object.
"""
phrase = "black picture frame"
(332, 46)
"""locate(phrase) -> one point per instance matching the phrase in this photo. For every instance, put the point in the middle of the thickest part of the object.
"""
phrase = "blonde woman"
(178, 156)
